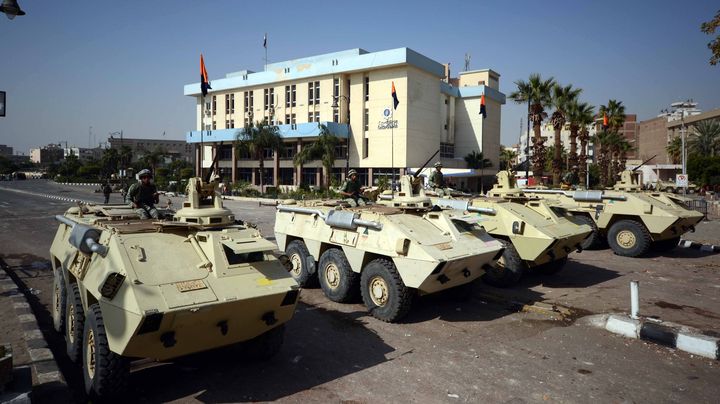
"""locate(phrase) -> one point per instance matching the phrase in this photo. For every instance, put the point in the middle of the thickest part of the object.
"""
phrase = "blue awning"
(289, 131)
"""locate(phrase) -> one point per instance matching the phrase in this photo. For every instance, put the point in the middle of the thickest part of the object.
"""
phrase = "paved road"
(445, 351)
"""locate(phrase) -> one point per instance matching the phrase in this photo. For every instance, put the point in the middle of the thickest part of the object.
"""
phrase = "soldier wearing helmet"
(143, 196)
(351, 189)
(436, 180)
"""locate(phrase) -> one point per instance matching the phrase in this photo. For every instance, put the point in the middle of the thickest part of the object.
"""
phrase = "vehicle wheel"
(105, 372)
(59, 301)
(337, 279)
(665, 245)
(298, 254)
(552, 267)
(508, 270)
(74, 323)
(383, 291)
(595, 240)
(629, 238)
(265, 346)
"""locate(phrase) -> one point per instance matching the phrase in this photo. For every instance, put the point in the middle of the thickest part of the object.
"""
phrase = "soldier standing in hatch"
(351, 189)
(143, 196)
(437, 182)
(571, 178)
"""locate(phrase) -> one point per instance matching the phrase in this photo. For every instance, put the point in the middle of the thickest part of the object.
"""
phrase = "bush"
(704, 170)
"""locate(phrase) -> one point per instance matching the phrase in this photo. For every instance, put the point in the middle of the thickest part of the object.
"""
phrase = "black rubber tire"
(74, 323)
(399, 297)
(303, 276)
(665, 245)
(508, 270)
(111, 370)
(59, 300)
(347, 282)
(552, 267)
(642, 238)
(266, 345)
(595, 241)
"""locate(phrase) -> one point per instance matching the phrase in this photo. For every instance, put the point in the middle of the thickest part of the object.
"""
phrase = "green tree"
(7, 166)
(562, 99)
(705, 138)
(476, 161)
(580, 115)
(126, 156)
(70, 166)
(674, 150)
(507, 158)
(154, 158)
(253, 140)
(109, 162)
(536, 92)
(322, 149)
(709, 28)
(610, 140)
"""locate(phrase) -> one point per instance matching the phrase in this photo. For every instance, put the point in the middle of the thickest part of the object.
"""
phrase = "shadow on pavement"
(320, 346)
(574, 275)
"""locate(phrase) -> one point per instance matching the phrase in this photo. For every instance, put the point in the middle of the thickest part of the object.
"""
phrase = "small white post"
(634, 299)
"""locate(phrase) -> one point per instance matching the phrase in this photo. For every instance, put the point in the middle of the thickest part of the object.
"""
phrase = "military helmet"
(352, 172)
(144, 173)
(438, 164)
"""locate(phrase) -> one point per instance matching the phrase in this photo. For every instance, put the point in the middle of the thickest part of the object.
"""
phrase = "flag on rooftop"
(605, 121)
(483, 111)
(265, 41)
(204, 82)
(394, 96)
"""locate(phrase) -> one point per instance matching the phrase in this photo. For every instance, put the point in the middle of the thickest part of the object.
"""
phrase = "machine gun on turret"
(422, 167)
(628, 181)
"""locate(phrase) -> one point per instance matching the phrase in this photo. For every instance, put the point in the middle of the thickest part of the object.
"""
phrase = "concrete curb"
(86, 184)
(44, 367)
(668, 334)
(59, 198)
(699, 246)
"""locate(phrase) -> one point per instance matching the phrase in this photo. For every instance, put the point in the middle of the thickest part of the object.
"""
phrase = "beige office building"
(350, 93)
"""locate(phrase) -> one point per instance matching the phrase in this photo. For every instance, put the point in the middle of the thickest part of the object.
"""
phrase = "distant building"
(49, 154)
(83, 153)
(547, 132)
(5, 150)
(175, 149)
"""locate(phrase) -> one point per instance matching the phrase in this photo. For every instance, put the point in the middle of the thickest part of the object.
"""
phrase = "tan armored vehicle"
(130, 288)
(630, 220)
(388, 253)
(535, 237)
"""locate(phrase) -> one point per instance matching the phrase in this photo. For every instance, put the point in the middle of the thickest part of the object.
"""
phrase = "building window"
(336, 87)
(227, 104)
(341, 151)
(267, 177)
(214, 105)
(317, 93)
(387, 173)
(366, 120)
(287, 119)
(293, 94)
(232, 103)
(366, 143)
(308, 176)
(292, 119)
(286, 176)
(287, 96)
(232, 124)
(244, 174)
(447, 150)
(266, 99)
(310, 116)
(227, 123)
(248, 121)
(336, 115)
(214, 125)
(367, 88)
(288, 152)
(317, 116)
(225, 152)
(247, 101)
(267, 153)
(271, 97)
(311, 93)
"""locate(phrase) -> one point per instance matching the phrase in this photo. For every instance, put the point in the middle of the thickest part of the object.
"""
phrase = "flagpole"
(202, 128)
(482, 169)
(392, 146)
(265, 46)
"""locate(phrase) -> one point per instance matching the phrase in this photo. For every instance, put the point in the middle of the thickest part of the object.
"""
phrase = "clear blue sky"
(69, 65)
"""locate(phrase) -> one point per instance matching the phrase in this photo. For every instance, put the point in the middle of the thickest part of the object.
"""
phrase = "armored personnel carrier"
(630, 220)
(535, 237)
(130, 288)
(387, 253)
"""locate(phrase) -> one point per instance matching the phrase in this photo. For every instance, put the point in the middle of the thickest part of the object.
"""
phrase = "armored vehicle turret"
(535, 237)
(630, 220)
(387, 253)
(130, 288)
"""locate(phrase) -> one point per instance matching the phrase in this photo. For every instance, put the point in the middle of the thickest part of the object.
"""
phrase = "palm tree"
(537, 93)
(154, 158)
(126, 155)
(578, 112)
(585, 118)
(674, 150)
(109, 161)
(476, 161)
(615, 112)
(253, 140)
(507, 158)
(705, 139)
(562, 99)
(322, 149)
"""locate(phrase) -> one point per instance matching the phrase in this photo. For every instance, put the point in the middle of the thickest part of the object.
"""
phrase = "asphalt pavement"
(479, 350)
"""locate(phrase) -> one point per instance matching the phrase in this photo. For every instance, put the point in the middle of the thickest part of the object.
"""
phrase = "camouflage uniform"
(143, 196)
(437, 183)
(352, 187)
